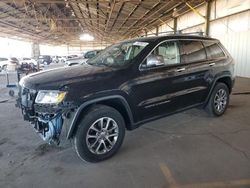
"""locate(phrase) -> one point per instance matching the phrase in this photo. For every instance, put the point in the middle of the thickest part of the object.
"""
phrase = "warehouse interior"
(188, 149)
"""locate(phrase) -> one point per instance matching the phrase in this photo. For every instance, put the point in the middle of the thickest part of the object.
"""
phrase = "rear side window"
(213, 50)
(192, 51)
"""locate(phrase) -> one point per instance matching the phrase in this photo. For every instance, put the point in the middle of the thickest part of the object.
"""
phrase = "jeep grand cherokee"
(124, 86)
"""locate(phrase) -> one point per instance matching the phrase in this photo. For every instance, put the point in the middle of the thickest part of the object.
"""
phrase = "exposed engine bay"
(49, 130)
(47, 119)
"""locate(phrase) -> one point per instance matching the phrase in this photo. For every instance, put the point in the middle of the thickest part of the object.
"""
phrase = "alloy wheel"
(220, 100)
(102, 135)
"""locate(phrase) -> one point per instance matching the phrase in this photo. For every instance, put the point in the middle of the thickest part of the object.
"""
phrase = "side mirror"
(155, 60)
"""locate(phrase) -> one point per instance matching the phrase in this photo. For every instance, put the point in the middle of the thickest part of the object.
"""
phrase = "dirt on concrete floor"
(188, 149)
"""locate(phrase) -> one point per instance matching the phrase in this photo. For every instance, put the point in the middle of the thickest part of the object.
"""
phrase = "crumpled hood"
(58, 77)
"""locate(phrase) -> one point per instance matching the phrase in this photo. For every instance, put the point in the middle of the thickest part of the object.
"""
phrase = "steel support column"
(35, 52)
(157, 31)
(207, 18)
(175, 25)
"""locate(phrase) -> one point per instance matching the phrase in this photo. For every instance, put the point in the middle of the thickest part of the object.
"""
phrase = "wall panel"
(233, 31)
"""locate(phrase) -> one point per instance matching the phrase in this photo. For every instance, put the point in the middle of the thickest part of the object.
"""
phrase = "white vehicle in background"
(29, 61)
(8, 63)
(55, 59)
(75, 61)
(83, 59)
(62, 59)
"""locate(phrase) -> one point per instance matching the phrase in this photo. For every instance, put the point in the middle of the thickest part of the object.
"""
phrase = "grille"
(28, 97)
(46, 108)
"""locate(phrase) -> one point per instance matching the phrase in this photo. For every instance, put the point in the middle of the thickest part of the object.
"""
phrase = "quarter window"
(192, 51)
(213, 50)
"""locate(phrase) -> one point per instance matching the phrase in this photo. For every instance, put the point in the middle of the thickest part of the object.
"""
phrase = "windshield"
(118, 55)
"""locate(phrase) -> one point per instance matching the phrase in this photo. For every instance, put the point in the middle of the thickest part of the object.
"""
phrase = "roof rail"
(201, 33)
(178, 32)
(167, 32)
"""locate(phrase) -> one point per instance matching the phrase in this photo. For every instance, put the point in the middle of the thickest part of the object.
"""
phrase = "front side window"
(169, 51)
(118, 55)
(166, 53)
(213, 50)
(192, 51)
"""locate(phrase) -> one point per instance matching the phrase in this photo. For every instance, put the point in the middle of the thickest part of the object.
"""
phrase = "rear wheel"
(219, 100)
(99, 134)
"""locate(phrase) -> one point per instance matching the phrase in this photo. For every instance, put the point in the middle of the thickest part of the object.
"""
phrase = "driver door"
(159, 86)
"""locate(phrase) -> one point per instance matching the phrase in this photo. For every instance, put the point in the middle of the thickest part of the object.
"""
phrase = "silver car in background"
(83, 59)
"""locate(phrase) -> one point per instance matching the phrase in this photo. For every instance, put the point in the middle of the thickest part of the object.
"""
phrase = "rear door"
(215, 55)
(197, 80)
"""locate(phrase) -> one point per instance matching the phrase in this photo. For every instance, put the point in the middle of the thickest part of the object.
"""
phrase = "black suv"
(124, 86)
(45, 59)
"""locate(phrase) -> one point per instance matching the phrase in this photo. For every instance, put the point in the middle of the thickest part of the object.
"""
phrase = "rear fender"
(228, 75)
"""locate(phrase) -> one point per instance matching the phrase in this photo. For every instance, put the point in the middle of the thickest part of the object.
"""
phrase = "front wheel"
(219, 100)
(100, 134)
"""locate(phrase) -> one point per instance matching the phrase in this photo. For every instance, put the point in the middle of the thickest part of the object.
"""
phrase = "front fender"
(73, 124)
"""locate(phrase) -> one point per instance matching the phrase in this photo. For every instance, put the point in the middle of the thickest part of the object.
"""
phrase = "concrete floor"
(188, 149)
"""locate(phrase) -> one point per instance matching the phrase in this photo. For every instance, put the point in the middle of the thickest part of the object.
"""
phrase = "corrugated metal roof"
(62, 21)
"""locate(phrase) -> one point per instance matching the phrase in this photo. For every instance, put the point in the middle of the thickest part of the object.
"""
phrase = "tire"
(31, 66)
(11, 93)
(4, 67)
(89, 140)
(219, 100)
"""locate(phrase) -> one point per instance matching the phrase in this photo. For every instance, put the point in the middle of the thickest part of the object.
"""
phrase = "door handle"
(211, 64)
(180, 69)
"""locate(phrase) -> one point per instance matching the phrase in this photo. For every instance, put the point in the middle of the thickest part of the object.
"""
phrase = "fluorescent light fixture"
(86, 37)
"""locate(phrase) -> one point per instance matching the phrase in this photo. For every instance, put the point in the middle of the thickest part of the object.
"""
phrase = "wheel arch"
(226, 79)
(117, 102)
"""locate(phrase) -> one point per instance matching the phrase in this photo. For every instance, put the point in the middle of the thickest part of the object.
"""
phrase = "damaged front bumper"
(50, 121)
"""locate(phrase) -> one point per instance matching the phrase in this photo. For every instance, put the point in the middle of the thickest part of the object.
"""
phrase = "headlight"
(50, 96)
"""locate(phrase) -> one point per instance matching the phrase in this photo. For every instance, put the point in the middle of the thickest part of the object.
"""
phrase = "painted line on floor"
(167, 173)
(218, 184)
